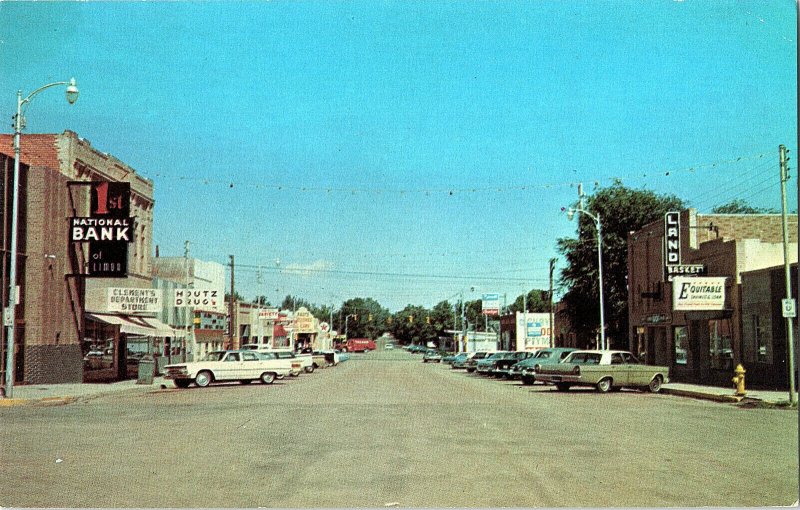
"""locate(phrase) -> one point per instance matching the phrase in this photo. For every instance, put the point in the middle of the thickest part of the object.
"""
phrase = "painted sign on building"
(698, 293)
(132, 300)
(269, 314)
(195, 298)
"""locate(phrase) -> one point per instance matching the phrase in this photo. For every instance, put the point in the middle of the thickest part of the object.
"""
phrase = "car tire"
(562, 386)
(267, 378)
(528, 381)
(655, 384)
(182, 383)
(470, 370)
(310, 370)
(203, 379)
(604, 385)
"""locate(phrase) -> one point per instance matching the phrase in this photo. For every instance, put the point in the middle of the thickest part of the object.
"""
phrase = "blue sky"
(406, 151)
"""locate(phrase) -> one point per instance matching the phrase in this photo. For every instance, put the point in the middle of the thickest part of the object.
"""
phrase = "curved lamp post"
(570, 213)
(10, 317)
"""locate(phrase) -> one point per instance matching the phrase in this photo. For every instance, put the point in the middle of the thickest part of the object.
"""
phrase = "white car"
(300, 362)
(389, 347)
(220, 366)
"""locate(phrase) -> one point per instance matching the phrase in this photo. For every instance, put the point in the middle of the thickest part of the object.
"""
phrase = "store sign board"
(673, 264)
(698, 293)
(108, 230)
(269, 314)
(131, 300)
(490, 304)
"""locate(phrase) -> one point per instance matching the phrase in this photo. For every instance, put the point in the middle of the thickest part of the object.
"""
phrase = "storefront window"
(681, 335)
(761, 339)
(720, 349)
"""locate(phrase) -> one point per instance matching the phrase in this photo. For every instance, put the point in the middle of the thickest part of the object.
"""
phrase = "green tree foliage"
(621, 211)
(367, 318)
(739, 206)
(538, 301)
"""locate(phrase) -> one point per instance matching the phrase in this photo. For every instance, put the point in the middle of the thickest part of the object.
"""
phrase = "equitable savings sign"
(696, 293)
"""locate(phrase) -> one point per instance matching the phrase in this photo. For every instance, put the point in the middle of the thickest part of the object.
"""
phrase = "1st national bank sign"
(108, 230)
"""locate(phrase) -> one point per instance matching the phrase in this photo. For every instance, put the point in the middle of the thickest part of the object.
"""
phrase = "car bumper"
(558, 378)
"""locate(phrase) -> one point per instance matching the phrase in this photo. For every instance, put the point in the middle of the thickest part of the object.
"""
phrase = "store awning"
(279, 331)
(133, 325)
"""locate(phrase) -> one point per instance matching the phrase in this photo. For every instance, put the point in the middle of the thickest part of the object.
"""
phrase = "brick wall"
(50, 364)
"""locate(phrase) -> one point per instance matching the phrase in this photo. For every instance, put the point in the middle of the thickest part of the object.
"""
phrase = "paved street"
(384, 429)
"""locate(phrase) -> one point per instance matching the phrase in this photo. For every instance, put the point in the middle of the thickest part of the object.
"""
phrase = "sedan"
(432, 355)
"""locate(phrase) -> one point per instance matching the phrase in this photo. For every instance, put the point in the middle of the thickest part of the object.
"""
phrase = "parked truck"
(360, 345)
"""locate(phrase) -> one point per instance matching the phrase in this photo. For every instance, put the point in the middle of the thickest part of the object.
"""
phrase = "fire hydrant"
(738, 380)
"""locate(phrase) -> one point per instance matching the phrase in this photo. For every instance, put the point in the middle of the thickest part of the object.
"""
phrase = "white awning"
(133, 325)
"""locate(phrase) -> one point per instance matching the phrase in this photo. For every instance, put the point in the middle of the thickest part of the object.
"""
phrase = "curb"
(703, 396)
(46, 401)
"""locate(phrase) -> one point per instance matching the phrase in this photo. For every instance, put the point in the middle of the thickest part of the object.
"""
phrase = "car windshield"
(214, 356)
(542, 354)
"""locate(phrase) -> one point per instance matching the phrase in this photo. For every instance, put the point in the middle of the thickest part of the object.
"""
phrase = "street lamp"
(10, 313)
(570, 214)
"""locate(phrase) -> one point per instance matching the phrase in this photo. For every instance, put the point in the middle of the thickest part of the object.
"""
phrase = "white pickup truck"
(220, 366)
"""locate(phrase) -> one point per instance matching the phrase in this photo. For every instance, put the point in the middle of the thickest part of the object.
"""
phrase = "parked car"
(323, 359)
(448, 358)
(416, 349)
(524, 369)
(472, 362)
(486, 365)
(300, 362)
(432, 355)
(605, 370)
(502, 367)
(219, 366)
(388, 347)
(460, 361)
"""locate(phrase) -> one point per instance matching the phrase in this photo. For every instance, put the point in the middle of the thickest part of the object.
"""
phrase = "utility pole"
(552, 317)
(787, 270)
(232, 309)
(189, 310)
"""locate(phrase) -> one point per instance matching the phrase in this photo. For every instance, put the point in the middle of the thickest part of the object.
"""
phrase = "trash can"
(146, 369)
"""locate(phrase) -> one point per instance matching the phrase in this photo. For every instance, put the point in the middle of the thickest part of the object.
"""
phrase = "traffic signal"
(370, 317)
(410, 318)
(428, 319)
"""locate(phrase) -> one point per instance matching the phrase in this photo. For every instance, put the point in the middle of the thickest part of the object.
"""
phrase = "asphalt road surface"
(385, 429)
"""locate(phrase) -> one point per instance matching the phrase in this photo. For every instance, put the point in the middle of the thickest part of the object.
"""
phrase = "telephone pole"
(787, 270)
(232, 309)
(552, 317)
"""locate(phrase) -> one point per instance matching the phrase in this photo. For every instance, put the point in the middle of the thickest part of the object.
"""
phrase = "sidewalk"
(720, 394)
(57, 394)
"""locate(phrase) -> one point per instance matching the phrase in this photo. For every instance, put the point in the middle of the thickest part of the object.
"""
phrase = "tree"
(740, 206)
(368, 318)
(621, 210)
(538, 301)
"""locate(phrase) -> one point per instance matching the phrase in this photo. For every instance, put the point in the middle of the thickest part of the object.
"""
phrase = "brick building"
(61, 317)
(700, 345)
